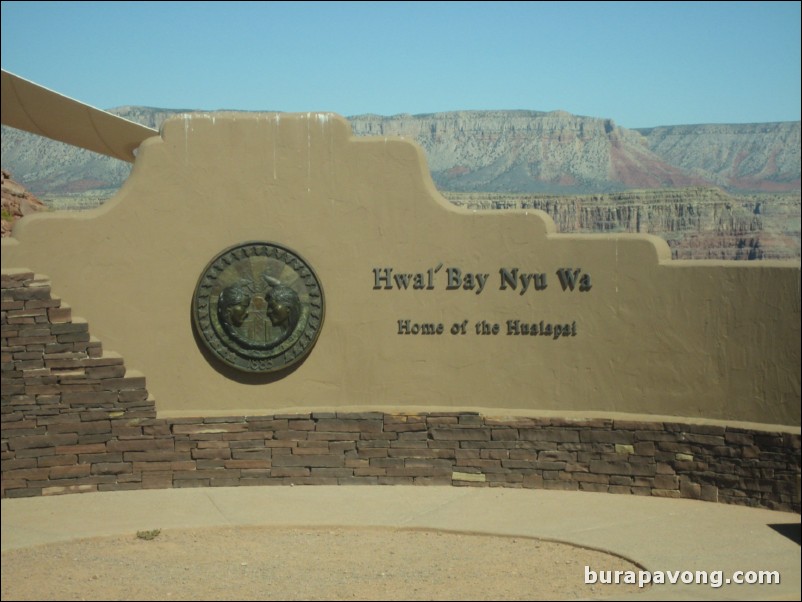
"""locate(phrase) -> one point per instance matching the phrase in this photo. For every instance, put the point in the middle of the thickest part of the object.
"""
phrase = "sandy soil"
(253, 563)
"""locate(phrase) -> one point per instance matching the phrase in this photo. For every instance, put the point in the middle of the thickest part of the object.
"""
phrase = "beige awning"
(33, 108)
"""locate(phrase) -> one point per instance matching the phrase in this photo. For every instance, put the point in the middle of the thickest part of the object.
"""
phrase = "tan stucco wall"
(653, 336)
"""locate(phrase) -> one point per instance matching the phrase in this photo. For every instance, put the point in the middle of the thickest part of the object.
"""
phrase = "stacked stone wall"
(74, 419)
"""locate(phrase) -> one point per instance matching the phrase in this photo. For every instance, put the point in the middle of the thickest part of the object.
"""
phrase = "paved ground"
(658, 534)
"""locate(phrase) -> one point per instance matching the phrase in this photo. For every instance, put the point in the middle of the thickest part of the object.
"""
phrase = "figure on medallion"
(283, 310)
(232, 307)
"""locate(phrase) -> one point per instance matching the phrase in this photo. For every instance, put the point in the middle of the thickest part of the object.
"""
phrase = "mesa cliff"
(712, 191)
(556, 152)
(697, 223)
(498, 151)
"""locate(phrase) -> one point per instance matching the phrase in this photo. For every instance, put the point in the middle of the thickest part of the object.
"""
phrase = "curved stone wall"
(74, 419)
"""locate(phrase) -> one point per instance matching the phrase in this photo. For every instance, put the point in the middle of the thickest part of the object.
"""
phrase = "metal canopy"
(33, 108)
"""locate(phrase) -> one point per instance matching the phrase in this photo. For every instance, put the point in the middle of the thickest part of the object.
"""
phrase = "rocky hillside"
(498, 151)
(55, 170)
(747, 157)
(17, 202)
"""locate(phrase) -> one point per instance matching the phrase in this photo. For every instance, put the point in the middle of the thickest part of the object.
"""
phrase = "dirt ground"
(270, 563)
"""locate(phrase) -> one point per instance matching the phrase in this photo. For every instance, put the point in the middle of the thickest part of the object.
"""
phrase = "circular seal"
(258, 307)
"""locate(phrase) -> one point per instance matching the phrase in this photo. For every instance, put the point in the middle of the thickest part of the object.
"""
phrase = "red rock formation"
(17, 203)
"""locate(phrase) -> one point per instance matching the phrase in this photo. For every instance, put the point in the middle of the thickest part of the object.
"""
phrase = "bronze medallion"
(258, 307)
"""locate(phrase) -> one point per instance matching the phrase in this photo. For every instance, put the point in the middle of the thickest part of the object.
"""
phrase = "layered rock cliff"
(753, 156)
(527, 151)
(697, 223)
(547, 155)
(498, 151)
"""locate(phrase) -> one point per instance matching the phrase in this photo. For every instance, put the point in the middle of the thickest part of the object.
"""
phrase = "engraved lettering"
(382, 275)
(485, 327)
(385, 278)
(542, 328)
(569, 278)
(402, 280)
(469, 282)
(512, 278)
(409, 327)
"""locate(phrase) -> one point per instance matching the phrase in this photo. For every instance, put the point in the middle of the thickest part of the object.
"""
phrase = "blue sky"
(641, 64)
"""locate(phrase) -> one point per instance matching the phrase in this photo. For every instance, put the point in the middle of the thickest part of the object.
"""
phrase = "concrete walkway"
(659, 534)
